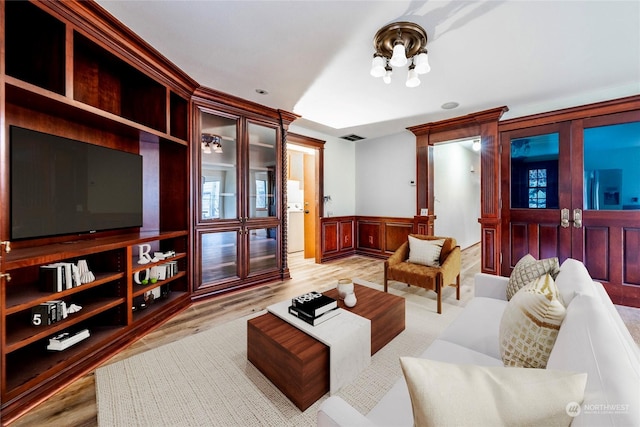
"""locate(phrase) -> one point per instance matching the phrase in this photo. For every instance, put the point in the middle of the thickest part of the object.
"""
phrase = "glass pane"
(218, 194)
(219, 256)
(611, 172)
(262, 171)
(534, 171)
(263, 244)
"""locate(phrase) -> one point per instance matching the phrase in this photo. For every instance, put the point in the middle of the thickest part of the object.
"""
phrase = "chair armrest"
(451, 266)
(490, 286)
(400, 255)
(335, 412)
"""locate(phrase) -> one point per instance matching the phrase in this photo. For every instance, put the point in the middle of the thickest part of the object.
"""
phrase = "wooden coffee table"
(298, 364)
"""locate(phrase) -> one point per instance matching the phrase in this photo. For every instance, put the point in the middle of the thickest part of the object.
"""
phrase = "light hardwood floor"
(75, 405)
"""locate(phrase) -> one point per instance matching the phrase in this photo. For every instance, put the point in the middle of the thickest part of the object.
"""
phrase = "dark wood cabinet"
(366, 235)
(239, 207)
(71, 70)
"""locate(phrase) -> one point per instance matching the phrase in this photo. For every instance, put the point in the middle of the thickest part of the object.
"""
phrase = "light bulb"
(399, 58)
(421, 62)
(387, 76)
(412, 77)
(377, 66)
(476, 145)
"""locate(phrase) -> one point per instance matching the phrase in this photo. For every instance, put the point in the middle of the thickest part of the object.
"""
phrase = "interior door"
(310, 205)
(592, 165)
(607, 189)
(536, 164)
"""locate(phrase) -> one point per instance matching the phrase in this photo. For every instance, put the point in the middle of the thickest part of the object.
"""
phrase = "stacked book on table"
(314, 308)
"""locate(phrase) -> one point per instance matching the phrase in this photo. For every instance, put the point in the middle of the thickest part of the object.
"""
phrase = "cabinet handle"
(564, 218)
(7, 276)
(7, 246)
(577, 218)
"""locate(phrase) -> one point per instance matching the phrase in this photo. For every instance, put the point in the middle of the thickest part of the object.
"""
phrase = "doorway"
(571, 190)
(304, 192)
(457, 190)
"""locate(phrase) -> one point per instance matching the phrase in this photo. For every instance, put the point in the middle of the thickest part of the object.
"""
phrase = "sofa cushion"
(528, 269)
(530, 324)
(425, 252)
(591, 341)
(477, 326)
(398, 396)
(489, 395)
(573, 278)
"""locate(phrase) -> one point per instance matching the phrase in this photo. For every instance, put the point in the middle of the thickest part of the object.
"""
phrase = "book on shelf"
(65, 340)
(314, 320)
(58, 277)
(314, 303)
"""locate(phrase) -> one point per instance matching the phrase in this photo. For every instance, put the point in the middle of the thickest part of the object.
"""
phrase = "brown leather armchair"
(399, 269)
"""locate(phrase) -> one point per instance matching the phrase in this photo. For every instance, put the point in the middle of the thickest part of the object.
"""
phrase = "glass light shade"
(412, 78)
(217, 148)
(377, 66)
(476, 145)
(421, 61)
(387, 76)
(399, 58)
(206, 149)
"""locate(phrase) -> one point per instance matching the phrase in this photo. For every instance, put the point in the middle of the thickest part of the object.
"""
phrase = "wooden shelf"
(141, 267)
(21, 335)
(55, 252)
(158, 306)
(25, 297)
(25, 94)
(63, 77)
(37, 364)
(141, 289)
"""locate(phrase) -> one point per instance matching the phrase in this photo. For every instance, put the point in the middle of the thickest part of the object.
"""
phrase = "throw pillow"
(490, 396)
(527, 269)
(530, 324)
(425, 252)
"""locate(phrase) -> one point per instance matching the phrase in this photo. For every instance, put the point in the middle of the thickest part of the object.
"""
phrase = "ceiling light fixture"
(211, 143)
(396, 45)
(476, 145)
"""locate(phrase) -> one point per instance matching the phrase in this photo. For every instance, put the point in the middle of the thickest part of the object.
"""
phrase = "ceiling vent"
(352, 137)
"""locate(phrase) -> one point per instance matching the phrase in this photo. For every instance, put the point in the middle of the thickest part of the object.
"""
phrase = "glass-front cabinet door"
(218, 167)
(237, 220)
(263, 161)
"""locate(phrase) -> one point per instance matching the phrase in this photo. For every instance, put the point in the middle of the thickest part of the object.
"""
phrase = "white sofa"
(592, 339)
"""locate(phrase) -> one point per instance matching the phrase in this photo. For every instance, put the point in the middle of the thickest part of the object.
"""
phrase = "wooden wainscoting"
(366, 235)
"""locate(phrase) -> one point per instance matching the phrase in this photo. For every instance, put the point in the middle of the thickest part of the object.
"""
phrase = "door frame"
(318, 146)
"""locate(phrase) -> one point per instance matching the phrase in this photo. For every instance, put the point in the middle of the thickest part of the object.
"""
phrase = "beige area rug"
(206, 380)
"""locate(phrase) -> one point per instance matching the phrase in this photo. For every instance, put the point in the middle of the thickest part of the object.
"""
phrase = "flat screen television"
(60, 186)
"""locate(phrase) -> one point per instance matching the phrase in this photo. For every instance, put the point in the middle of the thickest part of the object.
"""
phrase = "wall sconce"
(211, 143)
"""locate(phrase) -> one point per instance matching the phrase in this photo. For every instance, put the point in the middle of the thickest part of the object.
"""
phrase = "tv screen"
(62, 186)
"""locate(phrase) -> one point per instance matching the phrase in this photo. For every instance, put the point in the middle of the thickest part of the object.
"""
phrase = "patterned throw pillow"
(529, 269)
(425, 252)
(530, 324)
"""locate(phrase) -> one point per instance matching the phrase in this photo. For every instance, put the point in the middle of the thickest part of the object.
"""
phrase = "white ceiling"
(313, 57)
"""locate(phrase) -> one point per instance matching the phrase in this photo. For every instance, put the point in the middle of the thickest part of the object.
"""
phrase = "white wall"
(457, 193)
(384, 169)
(339, 172)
